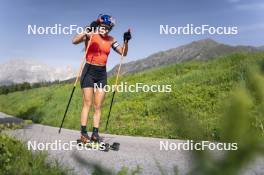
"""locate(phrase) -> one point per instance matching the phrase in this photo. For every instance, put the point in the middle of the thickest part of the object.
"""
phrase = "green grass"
(241, 123)
(16, 159)
(199, 91)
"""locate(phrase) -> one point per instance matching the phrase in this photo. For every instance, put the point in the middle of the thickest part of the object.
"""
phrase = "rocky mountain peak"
(32, 71)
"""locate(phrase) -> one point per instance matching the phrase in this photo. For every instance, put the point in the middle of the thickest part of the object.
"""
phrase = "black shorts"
(93, 76)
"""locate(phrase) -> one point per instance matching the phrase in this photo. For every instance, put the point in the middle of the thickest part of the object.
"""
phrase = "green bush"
(241, 123)
(16, 159)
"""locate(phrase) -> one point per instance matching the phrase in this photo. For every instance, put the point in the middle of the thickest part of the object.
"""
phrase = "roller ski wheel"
(102, 146)
(115, 146)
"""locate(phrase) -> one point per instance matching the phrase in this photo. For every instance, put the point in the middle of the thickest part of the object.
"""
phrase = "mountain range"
(198, 50)
(261, 48)
(25, 70)
(32, 71)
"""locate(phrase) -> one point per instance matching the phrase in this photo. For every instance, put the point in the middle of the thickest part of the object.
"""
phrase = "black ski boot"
(85, 138)
(96, 138)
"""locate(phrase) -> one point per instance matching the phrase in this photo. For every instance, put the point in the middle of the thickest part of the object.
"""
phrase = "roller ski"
(95, 142)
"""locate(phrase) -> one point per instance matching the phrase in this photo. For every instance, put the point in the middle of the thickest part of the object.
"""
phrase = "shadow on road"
(10, 120)
(31, 114)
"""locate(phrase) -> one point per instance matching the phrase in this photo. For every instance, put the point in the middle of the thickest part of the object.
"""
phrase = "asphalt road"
(5, 119)
(134, 151)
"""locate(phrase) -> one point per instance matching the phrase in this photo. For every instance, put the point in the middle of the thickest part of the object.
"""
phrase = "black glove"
(127, 36)
(92, 27)
(94, 24)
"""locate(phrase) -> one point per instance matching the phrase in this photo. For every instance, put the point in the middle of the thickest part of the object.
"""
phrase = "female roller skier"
(94, 72)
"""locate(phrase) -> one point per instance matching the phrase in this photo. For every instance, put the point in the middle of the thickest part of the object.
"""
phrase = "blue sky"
(144, 17)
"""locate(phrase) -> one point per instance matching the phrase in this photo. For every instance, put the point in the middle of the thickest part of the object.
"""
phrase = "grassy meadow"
(199, 96)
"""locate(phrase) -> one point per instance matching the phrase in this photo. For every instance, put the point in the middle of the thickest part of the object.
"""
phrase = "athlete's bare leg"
(98, 102)
(86, 106)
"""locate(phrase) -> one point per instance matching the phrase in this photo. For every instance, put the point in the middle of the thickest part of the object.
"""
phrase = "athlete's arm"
(123, 50)
(80, 38)
(119, 49)
(85, 36)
